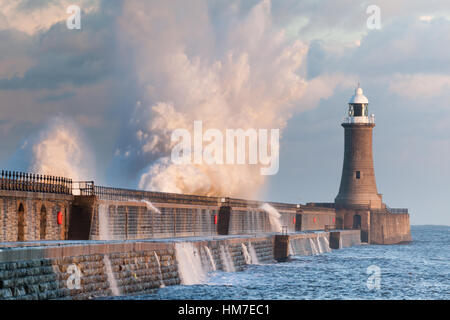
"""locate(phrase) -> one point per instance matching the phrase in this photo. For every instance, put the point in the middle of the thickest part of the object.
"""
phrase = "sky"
(99, 103)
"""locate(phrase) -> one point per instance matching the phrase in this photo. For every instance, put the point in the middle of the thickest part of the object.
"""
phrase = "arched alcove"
(21, 223)
(43, 223)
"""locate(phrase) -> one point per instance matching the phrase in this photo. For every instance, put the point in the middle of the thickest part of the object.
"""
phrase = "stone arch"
(43, 222)
(356, 221)
(21, 223)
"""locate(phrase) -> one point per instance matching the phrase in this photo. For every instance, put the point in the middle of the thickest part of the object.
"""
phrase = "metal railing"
(30, 182)
(355, 120)
(397, 210)
(118, 194)
(235, 202)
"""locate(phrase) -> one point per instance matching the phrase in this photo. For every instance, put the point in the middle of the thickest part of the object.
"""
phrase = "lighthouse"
(358, 186)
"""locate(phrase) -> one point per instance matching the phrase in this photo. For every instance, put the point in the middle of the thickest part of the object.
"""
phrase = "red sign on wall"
(60, 217)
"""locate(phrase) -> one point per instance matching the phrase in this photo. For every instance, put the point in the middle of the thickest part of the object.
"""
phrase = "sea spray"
(247, 258)
(103, 223)
(274, 217)
(150, 206)
(211, 259)
(109, 273)
(161, 281)
(291, 248)
(190, 265)
(319, 245)
(326, 243)
(313, 247)
(227, 261)
(253, 254)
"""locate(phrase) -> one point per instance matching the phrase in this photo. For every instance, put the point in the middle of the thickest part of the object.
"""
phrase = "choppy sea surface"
(419, 270)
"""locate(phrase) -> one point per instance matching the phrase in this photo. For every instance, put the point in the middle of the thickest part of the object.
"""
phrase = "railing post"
(19, 181)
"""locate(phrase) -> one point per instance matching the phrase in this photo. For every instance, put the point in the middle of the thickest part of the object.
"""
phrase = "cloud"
(420, 86)
(33, 16)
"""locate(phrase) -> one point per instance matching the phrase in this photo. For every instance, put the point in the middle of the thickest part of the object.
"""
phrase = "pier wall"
(48, 210)
(129, 220)
(28, 216)
(85, 271)
(388, 228)
(344, 238)
(145, 219)
(306, 244)
(103, 269)
(316, 217)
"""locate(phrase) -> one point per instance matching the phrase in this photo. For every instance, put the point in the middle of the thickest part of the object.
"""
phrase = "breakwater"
(94, 269)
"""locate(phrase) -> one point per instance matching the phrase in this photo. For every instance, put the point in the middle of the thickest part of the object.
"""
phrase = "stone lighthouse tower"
(358, 186)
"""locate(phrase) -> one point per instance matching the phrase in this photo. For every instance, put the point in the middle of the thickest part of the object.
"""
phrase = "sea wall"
(309, 244)
(344, 238)
(312, 243)
(90, 270)
(96, 269)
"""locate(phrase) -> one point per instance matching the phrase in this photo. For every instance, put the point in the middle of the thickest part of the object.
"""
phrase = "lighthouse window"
(358, 174)
(358, 110)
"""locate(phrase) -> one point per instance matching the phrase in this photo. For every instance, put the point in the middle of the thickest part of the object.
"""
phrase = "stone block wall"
(248, 220)
(309, 244)
(28, 216)
(134, 220)
(344, 238)
(316, 218)
(387, 228)
(89, 271)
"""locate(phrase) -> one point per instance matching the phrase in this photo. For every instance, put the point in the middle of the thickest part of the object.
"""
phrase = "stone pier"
(95, 269)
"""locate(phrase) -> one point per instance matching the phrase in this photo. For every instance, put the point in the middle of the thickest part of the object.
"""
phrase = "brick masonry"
(133, 220)
(38, 212)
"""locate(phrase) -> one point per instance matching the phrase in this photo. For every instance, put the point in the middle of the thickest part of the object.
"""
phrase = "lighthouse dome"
(358, 97)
